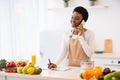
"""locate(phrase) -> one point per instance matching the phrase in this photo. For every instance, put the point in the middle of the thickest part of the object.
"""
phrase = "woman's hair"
(82, 11)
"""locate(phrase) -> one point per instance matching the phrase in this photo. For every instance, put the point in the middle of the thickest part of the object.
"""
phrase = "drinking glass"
(33, 59)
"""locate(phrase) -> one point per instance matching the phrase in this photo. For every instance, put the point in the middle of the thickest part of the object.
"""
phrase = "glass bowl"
(87, 64)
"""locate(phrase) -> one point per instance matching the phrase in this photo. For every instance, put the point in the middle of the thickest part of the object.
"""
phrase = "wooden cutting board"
(108, 46)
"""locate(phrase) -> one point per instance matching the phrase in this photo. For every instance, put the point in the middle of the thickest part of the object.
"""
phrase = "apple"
(23, 64)
(24, 70)
(19, 69)
(11, 64)
(38, 70)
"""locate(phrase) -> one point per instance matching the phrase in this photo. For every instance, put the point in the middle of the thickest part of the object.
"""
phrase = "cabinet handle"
(118, 62)
(111, 61)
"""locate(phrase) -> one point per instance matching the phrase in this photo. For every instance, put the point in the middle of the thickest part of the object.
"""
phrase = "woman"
(79, 42)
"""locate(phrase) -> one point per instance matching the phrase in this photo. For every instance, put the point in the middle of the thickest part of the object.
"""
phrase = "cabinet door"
(2, 78)
(98, 61)
(113, 63)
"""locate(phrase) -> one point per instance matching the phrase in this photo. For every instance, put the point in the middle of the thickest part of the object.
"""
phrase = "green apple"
(24, 70)
(38, 70)
(19, 69)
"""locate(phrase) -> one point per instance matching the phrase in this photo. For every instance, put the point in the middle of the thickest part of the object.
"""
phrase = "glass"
(33, 59)
(87, 64)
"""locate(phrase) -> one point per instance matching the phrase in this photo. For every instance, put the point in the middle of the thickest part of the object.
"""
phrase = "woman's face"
(76, 19)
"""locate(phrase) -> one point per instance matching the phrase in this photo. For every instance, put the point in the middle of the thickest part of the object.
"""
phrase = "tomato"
(14, 71)
(8, 70)
(5, 70)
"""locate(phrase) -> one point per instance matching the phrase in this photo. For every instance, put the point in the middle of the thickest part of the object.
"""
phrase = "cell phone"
(82, 21)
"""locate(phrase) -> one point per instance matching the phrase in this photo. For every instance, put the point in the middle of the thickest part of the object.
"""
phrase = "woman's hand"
(79, 30)
(52, 65)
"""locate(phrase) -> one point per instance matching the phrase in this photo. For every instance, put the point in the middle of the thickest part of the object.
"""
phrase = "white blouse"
(87, 45)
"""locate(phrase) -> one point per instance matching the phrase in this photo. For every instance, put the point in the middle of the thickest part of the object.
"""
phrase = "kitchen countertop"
(72, 74)
(106, 55)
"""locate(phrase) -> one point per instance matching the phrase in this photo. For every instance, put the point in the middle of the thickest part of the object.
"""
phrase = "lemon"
(31, 70)
(98, 68)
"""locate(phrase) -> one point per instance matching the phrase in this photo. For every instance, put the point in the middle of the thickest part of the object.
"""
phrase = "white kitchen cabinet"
(107, 60)
(98, 61)
(2, 77)
(113, 63)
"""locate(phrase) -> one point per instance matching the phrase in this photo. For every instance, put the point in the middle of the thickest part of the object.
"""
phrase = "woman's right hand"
(52, 65)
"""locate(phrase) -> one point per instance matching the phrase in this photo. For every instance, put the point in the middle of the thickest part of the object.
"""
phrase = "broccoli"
(3, 63)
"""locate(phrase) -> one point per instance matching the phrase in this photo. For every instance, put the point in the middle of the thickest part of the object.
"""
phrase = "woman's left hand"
(80, 29)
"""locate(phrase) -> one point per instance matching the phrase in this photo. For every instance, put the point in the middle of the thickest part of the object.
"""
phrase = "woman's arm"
(63, 52)
(88, 43)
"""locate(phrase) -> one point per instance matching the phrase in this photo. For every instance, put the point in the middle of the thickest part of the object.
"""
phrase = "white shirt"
(87, 45)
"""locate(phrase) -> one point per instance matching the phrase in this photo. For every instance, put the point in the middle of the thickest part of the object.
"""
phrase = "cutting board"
(108, 46)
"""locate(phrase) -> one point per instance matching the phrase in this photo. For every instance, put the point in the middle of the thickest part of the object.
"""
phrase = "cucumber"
(108, 76)
(117, 74)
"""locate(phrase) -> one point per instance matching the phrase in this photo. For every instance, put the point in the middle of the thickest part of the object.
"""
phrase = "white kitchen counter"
(72, 74)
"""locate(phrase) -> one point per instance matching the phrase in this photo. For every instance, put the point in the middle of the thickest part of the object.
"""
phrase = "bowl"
(87, 64)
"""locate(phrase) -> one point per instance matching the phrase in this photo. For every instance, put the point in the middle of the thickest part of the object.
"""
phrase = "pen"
(49, 61)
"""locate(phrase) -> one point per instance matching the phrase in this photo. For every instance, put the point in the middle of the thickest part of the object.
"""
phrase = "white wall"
(103, 21)
(20, 24)
(18, 39)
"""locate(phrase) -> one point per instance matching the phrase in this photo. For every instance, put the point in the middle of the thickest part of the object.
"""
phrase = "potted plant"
(66, 3)
(92, 2)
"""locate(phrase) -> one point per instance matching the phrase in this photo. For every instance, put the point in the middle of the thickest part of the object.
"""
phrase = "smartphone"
(81, 22)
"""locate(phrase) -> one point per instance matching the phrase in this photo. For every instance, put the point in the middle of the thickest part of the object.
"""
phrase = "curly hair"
(82, 11)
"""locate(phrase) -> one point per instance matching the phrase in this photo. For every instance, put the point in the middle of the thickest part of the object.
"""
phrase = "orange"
(31, 70)
(87, 74)
(97, 71)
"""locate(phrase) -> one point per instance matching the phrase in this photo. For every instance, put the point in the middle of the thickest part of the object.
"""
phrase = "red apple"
(11, 64)
(23, 64)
